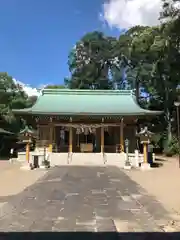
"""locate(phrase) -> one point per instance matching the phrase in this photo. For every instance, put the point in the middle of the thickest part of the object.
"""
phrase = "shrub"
(171, 148)
(157, 140)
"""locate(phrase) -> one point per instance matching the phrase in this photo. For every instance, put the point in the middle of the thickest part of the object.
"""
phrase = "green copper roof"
(27, 130)
(86, 102)
(3, 131)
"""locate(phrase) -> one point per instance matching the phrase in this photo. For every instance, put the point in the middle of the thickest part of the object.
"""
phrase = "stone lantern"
(145, 136)
(127, 165)
(26, 136)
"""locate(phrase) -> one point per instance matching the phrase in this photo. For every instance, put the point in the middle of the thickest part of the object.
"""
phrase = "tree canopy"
(12, 96)
(145, 59)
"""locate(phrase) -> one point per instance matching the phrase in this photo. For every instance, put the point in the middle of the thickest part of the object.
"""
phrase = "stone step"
(87, 158)
(59, 159)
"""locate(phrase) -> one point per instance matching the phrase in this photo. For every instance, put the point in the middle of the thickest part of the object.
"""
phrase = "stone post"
(136, 157)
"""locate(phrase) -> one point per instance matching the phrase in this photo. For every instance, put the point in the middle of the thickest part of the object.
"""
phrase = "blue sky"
(37, 35)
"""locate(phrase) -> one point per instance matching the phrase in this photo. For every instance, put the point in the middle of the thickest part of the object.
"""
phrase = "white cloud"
(30, 91)
(124, 14)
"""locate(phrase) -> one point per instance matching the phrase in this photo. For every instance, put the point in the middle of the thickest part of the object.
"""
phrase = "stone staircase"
(95, 159)
(110, 159)
(58, 159)
(115, 159)
(87, 159)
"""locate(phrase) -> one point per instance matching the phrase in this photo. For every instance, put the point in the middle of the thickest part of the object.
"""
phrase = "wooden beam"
(76, 125)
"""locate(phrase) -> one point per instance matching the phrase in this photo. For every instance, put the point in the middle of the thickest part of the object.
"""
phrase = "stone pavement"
(76, 198)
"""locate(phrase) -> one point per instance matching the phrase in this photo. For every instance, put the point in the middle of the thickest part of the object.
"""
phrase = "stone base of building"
(145, 166)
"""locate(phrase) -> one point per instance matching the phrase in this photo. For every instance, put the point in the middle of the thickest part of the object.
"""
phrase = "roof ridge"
(86, 91)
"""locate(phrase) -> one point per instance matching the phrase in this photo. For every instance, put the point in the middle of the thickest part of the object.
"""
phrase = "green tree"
(12, 96)
(133, 52)
(90, 62)
(151, 59)
(143, 58)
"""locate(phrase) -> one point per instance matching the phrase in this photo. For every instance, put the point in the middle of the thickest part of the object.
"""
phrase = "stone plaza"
(83, 198)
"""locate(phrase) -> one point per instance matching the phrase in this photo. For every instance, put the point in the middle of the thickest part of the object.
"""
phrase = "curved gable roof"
(87, 102)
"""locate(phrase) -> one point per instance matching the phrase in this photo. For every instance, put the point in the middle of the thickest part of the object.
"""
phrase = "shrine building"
(73, 121)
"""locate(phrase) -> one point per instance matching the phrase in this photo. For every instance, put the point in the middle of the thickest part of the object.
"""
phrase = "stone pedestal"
(127, 167)
(42, 167)
(40, 158)
(26, 166)
(145, 166)
(127, 164)
(136, 157)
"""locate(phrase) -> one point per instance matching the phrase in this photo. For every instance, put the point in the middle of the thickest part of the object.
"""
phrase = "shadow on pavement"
(156, 164)
(160, 159)
(79, 235)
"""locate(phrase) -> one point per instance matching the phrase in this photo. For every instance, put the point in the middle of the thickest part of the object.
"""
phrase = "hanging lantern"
(36, 119)
(66, 129)
(94, 130)
(106, 129)
(90, 130)
(62, 134)
(78, 131)
(86, 131)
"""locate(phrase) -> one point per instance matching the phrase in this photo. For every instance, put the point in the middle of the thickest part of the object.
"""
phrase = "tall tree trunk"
(137, 86)
(167, 112)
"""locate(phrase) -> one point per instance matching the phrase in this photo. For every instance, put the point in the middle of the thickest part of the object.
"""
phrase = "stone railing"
(136, 158)
(119, 159)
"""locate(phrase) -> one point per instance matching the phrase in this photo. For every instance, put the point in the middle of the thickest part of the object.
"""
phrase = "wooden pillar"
(70, 139)
(70, 136)
(28, 150)
(38, 136)
(145, 152)
(102, 138)
(122, 135)
(51, 138)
